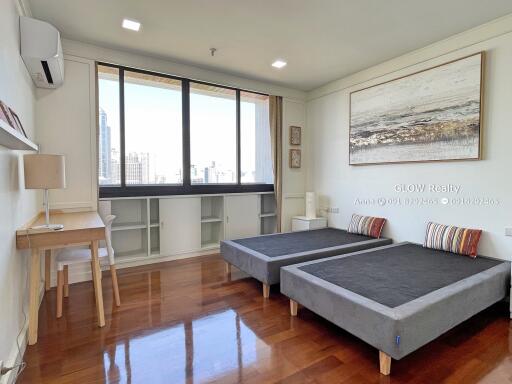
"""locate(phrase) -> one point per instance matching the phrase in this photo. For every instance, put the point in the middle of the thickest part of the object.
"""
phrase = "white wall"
(67, 120)
(17, 205)
(339, 185)
(67, 125)
(294, 179)
(94, 52)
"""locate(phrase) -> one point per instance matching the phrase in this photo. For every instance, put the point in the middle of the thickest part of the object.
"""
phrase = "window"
(212, 135)
(164, 135)
(109, 162)
(153, 129)
(256, 160)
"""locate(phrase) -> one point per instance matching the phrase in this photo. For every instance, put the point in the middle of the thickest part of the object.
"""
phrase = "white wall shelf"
(207, 246)
(211, 219)
(135, 253)
(268, 205)
(128, 226)
(12, 139)
(149, 228)
(268, 216)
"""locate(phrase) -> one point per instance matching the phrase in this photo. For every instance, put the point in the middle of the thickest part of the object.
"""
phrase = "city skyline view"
(153, 153)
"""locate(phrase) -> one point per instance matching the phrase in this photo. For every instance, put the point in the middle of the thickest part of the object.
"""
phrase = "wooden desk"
(80, 228)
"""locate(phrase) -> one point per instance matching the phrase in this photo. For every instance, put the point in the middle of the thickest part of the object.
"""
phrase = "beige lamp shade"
(44, 171)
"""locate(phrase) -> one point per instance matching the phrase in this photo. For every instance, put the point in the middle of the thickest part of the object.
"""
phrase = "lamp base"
(48, 227)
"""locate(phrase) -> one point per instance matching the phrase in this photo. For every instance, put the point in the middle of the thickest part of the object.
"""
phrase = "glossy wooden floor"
(186, 322)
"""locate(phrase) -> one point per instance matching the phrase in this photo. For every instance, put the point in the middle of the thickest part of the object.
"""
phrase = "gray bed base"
(398, 331)
(267, 269)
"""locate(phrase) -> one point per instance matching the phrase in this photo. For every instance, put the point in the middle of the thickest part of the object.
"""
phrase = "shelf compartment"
(135, 253)
(211, 219)
(268, 204)
(12, 139)
(154, 240)
(212, 207)
(268, 225)
(130, 243)
(127, 226)
(206, 246)
(211, 234)
(154, 212)
(129, 213)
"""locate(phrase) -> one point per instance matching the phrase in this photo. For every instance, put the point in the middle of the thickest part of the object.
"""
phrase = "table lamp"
(45, 172)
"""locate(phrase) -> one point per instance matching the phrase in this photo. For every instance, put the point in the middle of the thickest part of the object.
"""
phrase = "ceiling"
(322, 40)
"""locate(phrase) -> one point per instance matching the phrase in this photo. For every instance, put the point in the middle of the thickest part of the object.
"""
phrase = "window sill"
(168, 190)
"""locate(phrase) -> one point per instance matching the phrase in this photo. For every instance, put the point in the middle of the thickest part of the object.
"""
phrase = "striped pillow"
(449, 238)
(366, 225)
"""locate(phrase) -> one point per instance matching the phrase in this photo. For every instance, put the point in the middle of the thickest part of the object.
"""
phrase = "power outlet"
(508, 231)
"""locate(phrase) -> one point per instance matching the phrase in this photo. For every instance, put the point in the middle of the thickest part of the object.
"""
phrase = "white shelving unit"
(149, 228)
(153, 209)
(212, 228)
(268, 215)
(12, 139)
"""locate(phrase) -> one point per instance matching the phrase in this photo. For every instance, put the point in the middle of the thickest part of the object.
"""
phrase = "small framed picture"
(17, 123)
(295, 135)
(295, 158)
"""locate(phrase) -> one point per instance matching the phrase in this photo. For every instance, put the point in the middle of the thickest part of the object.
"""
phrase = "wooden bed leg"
(228, 268)
(385, 363)
(266, 291)
(294, 306)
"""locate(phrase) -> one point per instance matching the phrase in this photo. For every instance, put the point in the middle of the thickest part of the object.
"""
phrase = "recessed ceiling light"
(279, 64)
(131, 24)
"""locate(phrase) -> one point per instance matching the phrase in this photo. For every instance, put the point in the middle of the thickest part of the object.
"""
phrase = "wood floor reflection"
(186, 322)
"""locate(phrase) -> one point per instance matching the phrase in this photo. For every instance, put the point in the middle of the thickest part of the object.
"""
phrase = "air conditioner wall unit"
(41, 51)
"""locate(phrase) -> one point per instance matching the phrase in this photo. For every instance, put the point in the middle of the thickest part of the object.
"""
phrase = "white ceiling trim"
(453, 44)
(150, 63)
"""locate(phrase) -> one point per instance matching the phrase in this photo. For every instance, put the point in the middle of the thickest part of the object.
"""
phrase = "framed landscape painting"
(432, 115)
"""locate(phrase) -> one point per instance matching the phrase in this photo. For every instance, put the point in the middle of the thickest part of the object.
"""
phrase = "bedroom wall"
(67, 122)
(17, 205)
(74, 132)
(368, 189)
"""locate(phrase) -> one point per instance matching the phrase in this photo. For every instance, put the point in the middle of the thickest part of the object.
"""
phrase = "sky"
(153, 124)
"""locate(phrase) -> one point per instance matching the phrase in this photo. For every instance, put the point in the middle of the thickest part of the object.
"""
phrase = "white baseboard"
(78, 273)
(16, 356)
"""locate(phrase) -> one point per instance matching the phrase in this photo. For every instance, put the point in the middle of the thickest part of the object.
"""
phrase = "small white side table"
(302, 223)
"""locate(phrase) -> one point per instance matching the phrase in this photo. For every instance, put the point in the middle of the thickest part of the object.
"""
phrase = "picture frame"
(5, 114)
(295, 158)
(17, 123)
(431, 115)
(295, 135)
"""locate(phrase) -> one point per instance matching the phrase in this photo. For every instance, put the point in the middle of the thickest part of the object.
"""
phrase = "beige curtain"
(276, 139)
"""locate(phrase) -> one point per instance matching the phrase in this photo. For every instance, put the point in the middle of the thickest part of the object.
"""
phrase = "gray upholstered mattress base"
(266, 269)
(401, 330)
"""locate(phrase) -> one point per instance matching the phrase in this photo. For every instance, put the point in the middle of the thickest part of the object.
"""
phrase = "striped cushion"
(366, 225)
(449, 238)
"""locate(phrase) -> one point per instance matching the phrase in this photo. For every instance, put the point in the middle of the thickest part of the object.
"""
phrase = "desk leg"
(33, 311)
(47, 269)
(96, 275)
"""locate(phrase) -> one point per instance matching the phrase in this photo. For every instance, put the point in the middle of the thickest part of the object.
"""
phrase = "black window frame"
(187, 188)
